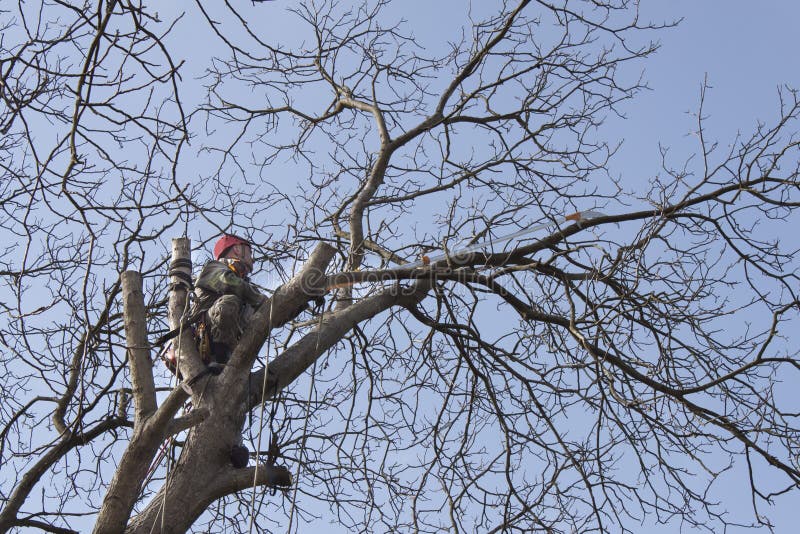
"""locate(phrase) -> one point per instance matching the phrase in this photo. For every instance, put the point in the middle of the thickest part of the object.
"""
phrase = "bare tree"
(607, 371)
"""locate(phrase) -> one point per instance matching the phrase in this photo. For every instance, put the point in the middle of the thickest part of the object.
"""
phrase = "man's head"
(235, 248)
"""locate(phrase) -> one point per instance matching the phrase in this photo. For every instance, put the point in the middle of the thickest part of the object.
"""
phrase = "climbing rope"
(261, 416)
(261, 422)
(305, 424)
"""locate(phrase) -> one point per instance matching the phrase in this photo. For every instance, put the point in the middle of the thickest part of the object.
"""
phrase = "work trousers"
(227, 319)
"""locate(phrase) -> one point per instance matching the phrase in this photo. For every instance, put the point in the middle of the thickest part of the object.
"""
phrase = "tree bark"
(144, 390)
(180, 278)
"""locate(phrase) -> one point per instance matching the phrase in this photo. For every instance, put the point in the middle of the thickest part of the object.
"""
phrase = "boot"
(240, 455)
(220, 352)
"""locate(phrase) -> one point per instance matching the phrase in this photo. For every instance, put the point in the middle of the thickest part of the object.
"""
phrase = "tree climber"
(224, 291)
(224, 303)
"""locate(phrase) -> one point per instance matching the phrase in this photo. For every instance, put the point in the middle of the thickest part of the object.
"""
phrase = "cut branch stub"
(144, 395)
(180, 278)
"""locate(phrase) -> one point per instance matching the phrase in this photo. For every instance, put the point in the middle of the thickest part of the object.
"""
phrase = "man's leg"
(224, 323)
(224, 326)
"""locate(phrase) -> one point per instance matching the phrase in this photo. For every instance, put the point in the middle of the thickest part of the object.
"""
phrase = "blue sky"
(745, 49)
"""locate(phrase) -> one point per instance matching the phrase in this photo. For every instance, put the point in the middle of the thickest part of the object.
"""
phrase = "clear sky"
(745, 49)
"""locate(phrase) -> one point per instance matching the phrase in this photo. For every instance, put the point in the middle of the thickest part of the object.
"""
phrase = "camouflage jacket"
(217, 279)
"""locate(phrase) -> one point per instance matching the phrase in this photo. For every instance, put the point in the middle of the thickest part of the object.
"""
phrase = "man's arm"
(218, 278)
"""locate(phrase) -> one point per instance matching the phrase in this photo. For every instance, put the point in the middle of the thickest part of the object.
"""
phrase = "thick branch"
(125, 487)
(153, 425)
(266, 475)
(285, 368)
(185, 508)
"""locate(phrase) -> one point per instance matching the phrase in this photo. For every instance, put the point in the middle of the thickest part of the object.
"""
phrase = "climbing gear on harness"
(176, 269)
(209, 351)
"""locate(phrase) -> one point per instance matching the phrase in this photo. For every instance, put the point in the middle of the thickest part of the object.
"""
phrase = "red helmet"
(227, 241)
